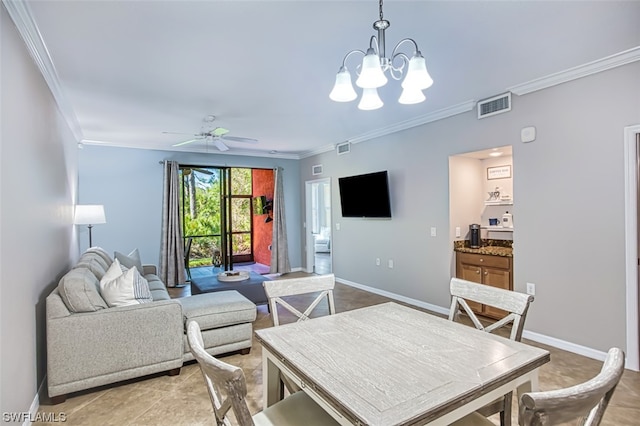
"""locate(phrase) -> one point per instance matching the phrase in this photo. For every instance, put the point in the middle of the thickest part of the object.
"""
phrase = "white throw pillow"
(130, 260)
(121, 286)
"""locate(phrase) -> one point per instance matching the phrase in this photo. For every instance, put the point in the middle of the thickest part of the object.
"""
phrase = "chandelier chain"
(380, 6)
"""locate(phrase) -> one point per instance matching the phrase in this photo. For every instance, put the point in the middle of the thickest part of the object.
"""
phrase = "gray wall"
(38, 175)
(569, 186)
(128, 182)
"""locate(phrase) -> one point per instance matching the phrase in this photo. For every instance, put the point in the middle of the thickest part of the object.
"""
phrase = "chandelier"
(371, 73)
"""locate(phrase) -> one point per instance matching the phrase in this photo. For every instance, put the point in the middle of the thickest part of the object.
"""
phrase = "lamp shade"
(417, 75)
(89, 214)
(370, 100)
(411, 96)
(343, 89)
(371, 75)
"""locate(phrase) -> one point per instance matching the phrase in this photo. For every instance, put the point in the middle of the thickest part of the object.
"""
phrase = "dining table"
(391, 364)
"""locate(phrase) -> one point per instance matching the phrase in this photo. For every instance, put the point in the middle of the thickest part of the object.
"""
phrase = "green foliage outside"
(201, 211)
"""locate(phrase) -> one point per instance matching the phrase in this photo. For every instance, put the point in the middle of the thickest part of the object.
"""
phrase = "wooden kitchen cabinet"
(495, 271)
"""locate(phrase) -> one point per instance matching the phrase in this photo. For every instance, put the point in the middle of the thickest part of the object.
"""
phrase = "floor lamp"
(89, 214)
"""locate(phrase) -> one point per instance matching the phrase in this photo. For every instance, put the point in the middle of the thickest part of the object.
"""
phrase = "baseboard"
(564, 345)
(536, 337)
(35, 404)
(394, 296)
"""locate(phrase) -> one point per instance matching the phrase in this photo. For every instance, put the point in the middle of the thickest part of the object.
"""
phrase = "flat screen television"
(365, 195)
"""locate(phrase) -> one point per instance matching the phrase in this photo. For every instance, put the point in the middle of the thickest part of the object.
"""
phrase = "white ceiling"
(130, 70)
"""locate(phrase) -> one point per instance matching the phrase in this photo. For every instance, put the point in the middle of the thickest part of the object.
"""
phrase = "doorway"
(632, 242)
(219, 216)
(319, 239)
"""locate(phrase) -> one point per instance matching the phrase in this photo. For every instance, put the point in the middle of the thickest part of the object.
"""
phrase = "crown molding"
(414, 122)
(402, 125)
(603, 64)
(22, 17)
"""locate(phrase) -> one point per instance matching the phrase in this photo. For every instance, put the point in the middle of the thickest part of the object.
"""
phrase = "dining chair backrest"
(586, 401)
(514, 303)
(226, 383)
(277, 289)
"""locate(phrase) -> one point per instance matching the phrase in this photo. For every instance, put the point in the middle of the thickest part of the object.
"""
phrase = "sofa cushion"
(219, 309)
(102, 253)
(78, 289)
(121, 286)
(93, 263)
(160, 294)
(130, 260)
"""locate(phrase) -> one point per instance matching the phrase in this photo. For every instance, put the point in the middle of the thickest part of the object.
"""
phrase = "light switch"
(457, 232)
(433, 231)
(390, 263)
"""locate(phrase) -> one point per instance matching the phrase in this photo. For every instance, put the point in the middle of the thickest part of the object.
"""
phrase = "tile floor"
(183, 399)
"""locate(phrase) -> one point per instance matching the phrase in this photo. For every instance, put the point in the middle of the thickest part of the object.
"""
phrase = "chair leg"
(505, 414)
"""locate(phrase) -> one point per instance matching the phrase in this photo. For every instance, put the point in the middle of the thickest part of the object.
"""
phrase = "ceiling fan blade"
(186, 142)
(220, 145)
(239, 139)
(177, 133)
(219, 131)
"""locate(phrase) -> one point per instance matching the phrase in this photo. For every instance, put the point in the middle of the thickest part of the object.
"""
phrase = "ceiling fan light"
(343, 89)
(417, 75)
(370, 100)
(371, 75)
(410, 96)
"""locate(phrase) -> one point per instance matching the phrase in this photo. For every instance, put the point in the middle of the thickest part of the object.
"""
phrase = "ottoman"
(225, 319)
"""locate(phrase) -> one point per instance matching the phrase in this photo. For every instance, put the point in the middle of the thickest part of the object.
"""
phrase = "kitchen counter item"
(474, 235)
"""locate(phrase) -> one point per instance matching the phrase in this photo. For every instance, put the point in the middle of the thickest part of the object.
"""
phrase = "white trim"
(536, 337)
(309, 241)
(397, 127)
(35, 404)
(23, 19)
(564, 345)
(631, 246)
(409, 300)
(599, 65)
(414, 122)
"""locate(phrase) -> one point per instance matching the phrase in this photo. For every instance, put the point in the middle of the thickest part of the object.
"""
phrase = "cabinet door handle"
(478, 271)
(481, 260)
(486, 273)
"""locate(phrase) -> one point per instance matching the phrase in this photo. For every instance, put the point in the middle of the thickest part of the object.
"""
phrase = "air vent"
(496, 105)
(316, 170)
(343, 148)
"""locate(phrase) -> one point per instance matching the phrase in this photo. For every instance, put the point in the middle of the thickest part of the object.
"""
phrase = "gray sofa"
(90, 344)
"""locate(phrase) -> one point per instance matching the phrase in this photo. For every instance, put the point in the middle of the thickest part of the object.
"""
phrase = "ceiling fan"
(215, 135)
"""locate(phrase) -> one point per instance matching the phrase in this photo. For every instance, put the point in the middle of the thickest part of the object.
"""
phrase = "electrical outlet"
(531, 289)
(458, 232)
(377, 261)
(390, 263)
(433, 231)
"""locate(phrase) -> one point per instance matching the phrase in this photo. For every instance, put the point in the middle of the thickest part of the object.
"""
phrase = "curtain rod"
(221, 167)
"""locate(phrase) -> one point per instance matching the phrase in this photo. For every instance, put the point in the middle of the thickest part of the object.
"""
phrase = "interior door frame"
(309, 240)
(631, 245)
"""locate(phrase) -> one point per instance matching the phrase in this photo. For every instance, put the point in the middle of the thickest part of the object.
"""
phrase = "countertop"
(488, 247)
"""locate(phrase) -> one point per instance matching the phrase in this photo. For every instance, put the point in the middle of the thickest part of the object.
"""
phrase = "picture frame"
(499, 172)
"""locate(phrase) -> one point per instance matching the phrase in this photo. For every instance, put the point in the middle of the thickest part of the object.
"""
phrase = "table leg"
(272, 390)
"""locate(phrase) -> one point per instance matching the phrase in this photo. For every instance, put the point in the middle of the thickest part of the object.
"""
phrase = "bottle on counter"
(507, 220)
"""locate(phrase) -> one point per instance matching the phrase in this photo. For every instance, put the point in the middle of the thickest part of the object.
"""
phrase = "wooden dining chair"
(277, 289)
(515, 304)
(585, 402)
(227, 388)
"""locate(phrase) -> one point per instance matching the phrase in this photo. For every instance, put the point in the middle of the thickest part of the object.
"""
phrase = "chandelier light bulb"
(417, 75)
(343, 89)
(371, 75)
(370, 100)
(410, 96)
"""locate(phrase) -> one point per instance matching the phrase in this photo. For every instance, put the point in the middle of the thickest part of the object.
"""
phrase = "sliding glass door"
(217, 215)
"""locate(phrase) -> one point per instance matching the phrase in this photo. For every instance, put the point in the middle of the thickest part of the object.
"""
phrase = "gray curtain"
(279, 249)
(172, 270)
